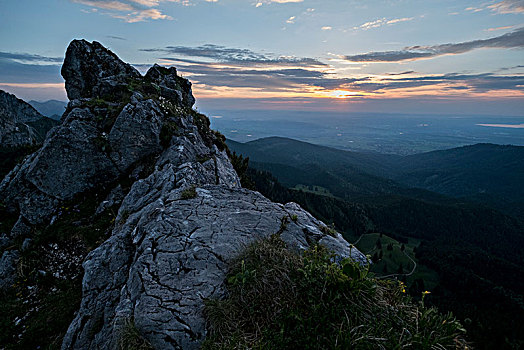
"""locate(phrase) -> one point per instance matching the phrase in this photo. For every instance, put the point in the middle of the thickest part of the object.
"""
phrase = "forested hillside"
(468, 254)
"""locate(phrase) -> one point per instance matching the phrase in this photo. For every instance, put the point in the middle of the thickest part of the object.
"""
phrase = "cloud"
(514, 39)
(477, 82)
(142, 15)
(131, 11)
(402, 73)
(279, 80)
(27, 57)
(224, 72)
(243, 57)
(115, 37)
(510, 126)
(508, 6)
(13, 71)
(267, 2)
(499, 28)
(106, 5)
(381, 22)
(326, 28)
(474, 9)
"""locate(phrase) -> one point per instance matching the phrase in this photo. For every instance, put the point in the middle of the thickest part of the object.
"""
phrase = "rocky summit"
(132, 148)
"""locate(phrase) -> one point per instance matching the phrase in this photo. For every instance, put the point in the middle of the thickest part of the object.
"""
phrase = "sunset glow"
(284, 50)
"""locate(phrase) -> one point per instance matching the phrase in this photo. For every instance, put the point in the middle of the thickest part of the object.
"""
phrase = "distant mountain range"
(51, 108)
(486, 173)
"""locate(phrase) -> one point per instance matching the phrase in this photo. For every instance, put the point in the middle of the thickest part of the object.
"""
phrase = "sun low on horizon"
(453, 56)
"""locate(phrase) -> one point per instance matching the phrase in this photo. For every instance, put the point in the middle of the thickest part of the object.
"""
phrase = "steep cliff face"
(21, 124)
(179, 223)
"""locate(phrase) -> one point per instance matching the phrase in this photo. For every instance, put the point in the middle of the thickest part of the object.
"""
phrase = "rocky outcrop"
(177, 228)
(20, 124)
(91, 70)
(100, 138)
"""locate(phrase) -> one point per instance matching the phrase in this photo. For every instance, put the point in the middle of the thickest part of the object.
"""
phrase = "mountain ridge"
(21, 124)
(129, 213)
(463, 172)
(50, 108)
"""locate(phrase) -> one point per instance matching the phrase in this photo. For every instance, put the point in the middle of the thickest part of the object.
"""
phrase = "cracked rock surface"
(167, 258)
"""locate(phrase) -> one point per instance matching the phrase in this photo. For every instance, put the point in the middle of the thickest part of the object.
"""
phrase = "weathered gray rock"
(20, 123)
(115, 197)
(91, 70)
(135, 133)
(99, 140)
(171, 86)
(167, 254)
(20, 228)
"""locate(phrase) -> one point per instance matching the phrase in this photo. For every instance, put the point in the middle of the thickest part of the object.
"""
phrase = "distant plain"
(377, 132)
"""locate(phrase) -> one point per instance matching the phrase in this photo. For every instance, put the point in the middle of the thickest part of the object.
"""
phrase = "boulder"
(91, 70)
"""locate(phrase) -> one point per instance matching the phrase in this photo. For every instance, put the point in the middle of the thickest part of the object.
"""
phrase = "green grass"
(314, 189)
(278, 299)
(131, 339)
(392, 259)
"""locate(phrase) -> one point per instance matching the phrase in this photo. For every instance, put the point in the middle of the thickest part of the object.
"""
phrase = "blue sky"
(344, 55)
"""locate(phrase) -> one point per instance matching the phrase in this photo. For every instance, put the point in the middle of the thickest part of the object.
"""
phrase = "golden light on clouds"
(35, 85)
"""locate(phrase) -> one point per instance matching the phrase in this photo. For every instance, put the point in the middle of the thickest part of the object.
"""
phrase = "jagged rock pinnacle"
(91, 70)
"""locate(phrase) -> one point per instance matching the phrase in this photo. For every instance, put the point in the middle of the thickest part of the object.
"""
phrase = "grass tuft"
(278, 299)
(131, 339)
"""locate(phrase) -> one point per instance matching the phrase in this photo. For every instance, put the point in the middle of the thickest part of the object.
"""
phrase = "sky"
(396, 56)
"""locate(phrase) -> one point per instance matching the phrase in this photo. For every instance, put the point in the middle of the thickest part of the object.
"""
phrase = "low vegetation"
(278, 299)
(189, 193)
(131, 339)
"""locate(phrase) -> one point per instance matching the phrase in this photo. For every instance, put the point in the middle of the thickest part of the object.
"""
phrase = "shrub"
(189, 193)
(278, 299)
(169, 129)
(328, 230)
(131, 339)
